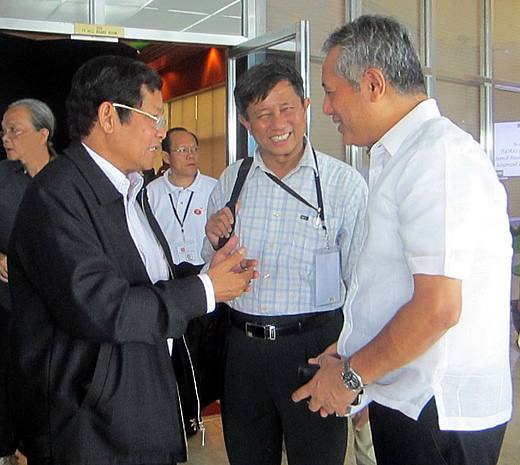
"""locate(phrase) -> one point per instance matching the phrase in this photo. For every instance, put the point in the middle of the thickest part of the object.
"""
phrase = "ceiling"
(197, 16)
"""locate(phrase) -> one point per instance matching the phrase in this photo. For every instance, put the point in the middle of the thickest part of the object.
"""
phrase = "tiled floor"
(214, 452)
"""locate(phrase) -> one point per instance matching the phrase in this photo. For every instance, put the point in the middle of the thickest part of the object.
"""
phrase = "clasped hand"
(326, 391)
(230, 272)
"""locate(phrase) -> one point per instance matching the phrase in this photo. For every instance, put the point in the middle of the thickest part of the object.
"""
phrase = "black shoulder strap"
(145, 205)
(239, 183)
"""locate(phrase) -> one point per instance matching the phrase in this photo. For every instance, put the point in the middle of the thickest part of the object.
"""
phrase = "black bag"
(205, 339)
(182, 360)
(197, 359)
(197, 356)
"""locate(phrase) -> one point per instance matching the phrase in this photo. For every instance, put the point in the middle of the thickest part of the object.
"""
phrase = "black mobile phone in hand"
(306, 373)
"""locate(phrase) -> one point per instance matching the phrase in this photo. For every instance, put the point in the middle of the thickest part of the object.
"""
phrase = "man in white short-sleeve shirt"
(179, 198)
(425, 339)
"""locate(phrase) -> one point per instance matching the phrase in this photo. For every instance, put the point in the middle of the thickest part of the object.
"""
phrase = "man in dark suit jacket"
(91, 376)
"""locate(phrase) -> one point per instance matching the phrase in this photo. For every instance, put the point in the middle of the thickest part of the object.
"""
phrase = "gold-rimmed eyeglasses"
(160, 121)
(185, 150)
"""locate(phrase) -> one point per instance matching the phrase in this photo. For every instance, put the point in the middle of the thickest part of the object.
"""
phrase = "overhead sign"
(98, 30)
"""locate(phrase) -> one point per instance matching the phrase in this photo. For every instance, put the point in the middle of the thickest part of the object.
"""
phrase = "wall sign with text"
(507, 148)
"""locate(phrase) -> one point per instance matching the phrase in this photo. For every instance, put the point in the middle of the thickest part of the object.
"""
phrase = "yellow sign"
(98, 30)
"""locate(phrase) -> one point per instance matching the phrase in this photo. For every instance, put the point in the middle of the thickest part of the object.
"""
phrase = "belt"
(271, 332)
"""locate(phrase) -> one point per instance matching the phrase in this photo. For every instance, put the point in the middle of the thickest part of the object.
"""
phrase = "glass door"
(291, 45)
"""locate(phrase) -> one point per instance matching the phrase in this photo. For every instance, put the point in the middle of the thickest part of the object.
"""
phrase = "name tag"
(187, 252)
(327, 276)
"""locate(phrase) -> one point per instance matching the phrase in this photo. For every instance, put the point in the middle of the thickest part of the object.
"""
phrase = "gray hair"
(41, 116)
(374, 41)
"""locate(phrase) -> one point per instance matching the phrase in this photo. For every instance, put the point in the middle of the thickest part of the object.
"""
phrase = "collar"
(307, 160)
(127, 185)
(392, 140)
(195, 186)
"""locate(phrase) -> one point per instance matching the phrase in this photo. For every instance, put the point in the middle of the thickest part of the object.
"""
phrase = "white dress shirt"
(165, 196)
(149, 249)
(436, 207)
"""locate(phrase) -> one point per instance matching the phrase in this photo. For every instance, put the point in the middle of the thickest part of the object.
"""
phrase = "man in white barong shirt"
(425, 339)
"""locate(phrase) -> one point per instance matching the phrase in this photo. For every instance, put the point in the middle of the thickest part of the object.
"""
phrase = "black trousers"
(399, 440)
(258, 413)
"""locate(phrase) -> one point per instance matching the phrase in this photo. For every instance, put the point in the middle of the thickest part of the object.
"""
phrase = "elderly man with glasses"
(94, 305)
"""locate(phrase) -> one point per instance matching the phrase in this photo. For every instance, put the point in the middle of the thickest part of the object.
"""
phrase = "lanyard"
(181, 223)
(319, 209)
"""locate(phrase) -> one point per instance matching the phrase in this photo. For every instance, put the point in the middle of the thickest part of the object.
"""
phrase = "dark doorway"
(42, 66)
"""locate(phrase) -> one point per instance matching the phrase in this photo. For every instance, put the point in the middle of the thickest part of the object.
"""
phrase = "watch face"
(351, 380)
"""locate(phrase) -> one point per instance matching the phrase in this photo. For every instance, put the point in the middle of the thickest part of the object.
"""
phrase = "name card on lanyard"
(327, 260)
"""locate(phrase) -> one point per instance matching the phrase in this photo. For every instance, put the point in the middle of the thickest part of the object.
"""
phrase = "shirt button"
(271, 246)
(263, 309)
(267, 275)
(276, 215)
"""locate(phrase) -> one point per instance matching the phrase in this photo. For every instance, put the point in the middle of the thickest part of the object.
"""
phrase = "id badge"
(187, 252)
(327, 267)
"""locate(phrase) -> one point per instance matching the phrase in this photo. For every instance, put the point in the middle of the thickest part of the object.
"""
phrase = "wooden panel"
(219, 155)
(188, 113)
(205, 114)
(219, 111)
(175, 114)
(206, 157)
(208, 121)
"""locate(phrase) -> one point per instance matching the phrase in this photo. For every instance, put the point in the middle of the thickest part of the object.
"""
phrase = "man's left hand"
(326, 391)
(230, 272)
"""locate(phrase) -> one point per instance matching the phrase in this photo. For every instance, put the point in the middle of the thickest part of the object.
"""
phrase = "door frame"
(297, 33)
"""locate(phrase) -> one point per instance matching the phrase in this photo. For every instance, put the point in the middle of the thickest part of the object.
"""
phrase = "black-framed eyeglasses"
(160, 121)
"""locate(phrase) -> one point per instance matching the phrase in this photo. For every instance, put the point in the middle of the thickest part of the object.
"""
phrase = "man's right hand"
(230, 272)
(220, 224)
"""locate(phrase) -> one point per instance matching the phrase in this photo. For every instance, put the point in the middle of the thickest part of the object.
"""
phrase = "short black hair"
(166, 144)
(107, 78)
(256, 83)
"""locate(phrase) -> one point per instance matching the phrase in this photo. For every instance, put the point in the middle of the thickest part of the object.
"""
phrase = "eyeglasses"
(11, 133)
(160, 121)
(186, 150)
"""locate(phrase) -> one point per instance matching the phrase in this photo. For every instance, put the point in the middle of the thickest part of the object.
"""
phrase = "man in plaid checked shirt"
(300, 214)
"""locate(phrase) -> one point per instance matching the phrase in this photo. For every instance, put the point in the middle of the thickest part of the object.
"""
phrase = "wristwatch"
(350, 377)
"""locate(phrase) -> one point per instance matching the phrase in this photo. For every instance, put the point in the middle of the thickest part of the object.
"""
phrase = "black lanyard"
(181, 223)
(319, 209)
